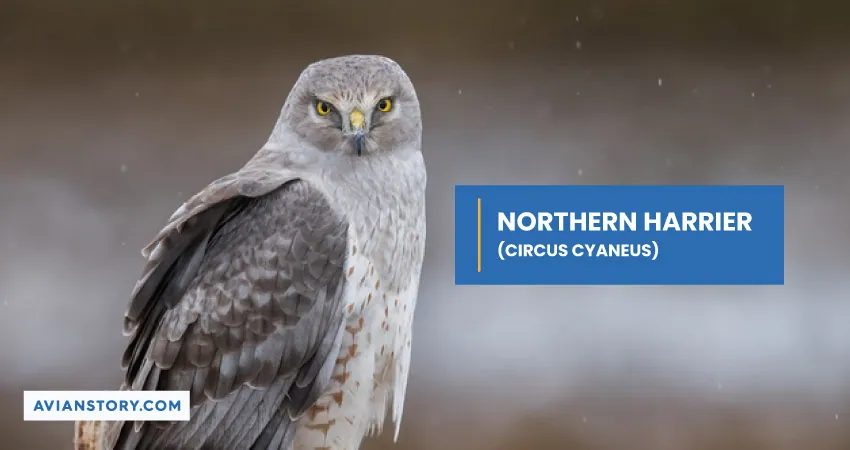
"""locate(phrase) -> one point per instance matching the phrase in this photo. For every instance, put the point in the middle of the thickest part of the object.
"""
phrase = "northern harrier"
(282, 295)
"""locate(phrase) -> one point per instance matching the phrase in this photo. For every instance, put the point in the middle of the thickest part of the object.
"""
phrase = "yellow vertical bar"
(479, 234)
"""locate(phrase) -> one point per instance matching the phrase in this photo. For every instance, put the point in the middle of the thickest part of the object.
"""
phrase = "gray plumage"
(245, 297)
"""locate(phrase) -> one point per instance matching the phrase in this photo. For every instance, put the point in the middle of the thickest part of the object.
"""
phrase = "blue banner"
(620, 235)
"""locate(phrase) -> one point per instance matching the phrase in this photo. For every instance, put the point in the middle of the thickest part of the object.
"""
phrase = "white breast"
(388, 315)
(373, 362)
(384, 200)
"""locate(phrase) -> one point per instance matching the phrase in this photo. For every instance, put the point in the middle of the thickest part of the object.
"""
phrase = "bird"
(282, 295)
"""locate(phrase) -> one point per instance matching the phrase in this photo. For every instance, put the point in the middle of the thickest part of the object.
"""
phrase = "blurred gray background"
(113, 112)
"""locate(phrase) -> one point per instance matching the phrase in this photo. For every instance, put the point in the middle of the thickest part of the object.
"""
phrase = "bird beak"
(357, 120)
(358, 142)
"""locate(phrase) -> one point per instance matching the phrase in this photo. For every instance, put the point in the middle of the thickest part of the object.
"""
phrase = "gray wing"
(241, 305)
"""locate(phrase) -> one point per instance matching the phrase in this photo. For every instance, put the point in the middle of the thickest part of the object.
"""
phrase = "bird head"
(356, 105)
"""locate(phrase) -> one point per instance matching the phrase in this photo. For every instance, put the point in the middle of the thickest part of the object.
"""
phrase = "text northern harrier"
(625, 221)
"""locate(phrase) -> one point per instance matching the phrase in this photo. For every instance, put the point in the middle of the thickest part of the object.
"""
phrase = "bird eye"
(323, 108)
(385, 105)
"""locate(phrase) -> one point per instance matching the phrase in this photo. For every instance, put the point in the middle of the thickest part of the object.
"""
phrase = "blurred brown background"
(113, 112)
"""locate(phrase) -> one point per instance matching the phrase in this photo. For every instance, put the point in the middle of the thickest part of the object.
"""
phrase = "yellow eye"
(323, 108)
(385, 105)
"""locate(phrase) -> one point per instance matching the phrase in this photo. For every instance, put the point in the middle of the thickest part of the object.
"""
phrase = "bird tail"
(87, 435)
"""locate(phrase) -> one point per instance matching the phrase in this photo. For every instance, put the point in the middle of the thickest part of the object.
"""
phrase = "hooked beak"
(357, 121)
(358, 142)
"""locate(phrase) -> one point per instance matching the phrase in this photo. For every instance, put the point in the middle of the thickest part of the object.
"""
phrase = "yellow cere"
(357, 119)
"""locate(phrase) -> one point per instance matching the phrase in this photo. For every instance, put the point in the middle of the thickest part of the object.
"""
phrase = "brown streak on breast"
(337, 397)
(354, 330)
(315, 410)
(322, 427)
(342, 377)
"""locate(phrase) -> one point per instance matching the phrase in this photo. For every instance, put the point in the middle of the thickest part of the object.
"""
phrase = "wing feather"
(241, 297)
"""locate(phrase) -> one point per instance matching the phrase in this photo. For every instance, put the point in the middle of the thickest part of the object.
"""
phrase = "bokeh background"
(113, 112)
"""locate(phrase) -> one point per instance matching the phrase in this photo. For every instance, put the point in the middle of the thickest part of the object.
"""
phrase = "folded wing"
(240, 304)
